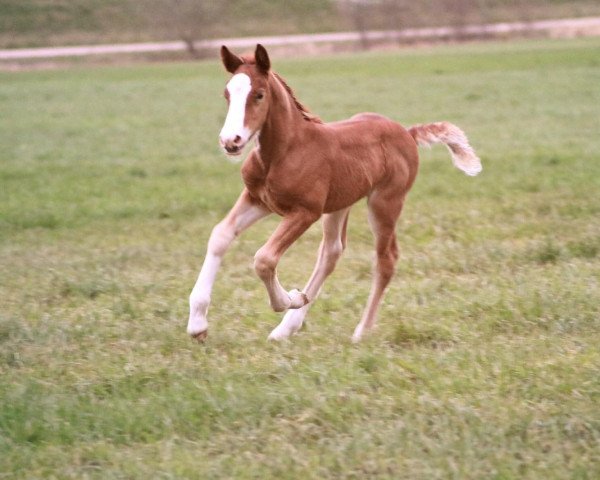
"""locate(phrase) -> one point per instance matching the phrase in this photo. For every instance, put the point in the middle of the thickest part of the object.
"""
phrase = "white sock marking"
(200, 296)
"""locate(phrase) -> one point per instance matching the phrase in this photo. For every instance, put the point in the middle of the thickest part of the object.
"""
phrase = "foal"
(303, 169)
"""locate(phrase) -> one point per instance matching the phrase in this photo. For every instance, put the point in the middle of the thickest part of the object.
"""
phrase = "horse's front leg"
(332, 246)
(267, 257)
(244, 213)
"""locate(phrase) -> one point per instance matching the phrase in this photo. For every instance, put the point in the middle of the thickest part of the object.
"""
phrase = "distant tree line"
(194, 20)
(366, 15)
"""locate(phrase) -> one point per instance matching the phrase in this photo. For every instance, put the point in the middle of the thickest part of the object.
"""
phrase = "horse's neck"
(283, 122)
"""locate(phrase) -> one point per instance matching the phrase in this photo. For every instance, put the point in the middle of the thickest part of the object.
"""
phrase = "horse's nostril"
(237, 139)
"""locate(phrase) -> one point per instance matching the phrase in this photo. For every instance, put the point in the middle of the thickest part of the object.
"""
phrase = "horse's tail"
(463, 155)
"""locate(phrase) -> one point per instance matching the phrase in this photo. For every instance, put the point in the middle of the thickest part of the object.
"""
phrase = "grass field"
(486, 360)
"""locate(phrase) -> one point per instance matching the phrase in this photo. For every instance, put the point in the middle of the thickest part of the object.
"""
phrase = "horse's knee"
(334, 249)
(264, 263)
(394, 251)
(386, 264)
(332, 253)
(220, 238)
(338, 249)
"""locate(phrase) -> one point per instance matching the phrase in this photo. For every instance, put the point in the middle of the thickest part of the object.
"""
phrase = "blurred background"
(37, 23)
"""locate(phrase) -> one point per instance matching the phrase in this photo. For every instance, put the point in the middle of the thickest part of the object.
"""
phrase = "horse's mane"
(306, 113)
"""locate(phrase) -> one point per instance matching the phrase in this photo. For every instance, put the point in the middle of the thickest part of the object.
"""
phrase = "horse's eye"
(260, 96)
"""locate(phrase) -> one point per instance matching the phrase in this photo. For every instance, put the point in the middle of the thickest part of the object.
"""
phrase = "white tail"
(463, 155)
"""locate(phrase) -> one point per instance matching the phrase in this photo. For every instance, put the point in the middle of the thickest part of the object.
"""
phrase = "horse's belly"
(354, 177)
(344, 194)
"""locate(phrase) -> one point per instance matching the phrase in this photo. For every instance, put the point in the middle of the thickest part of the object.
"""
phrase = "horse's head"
(247, 97)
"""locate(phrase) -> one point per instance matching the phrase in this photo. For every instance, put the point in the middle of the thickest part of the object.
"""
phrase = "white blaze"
(238, 87)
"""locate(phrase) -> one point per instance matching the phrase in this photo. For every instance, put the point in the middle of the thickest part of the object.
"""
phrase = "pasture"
(485, 363)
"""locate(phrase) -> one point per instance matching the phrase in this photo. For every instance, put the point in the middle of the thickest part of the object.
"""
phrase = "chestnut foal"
(303, 169)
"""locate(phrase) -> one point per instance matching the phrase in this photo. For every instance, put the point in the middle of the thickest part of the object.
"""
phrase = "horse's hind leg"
(384, 210)
(332, 246)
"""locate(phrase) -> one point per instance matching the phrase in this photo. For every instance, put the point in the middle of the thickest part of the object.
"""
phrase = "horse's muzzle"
(232, 149)
(232, 146)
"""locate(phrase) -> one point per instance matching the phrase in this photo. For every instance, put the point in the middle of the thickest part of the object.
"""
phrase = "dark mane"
(306, 114)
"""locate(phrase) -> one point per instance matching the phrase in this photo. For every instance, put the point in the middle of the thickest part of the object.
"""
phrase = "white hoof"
(357, 335)
(197, 326)
(297, 299)
(200, 337)
(279, 334)
(290, 325)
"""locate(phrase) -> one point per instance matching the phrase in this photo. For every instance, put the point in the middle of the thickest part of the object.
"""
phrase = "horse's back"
(372, 127)
(379, 134)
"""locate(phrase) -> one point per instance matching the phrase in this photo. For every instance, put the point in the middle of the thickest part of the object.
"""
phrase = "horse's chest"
(276, 201)
(264, 188)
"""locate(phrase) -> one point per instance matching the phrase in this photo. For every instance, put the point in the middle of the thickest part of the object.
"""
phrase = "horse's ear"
(262, 59)
(230, 61)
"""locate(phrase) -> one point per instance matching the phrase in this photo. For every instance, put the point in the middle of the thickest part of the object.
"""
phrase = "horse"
(303, 169)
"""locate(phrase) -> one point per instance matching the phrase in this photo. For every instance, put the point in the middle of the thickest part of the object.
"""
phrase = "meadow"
(485, 363)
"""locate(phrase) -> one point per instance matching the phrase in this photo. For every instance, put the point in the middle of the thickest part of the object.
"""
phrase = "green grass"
(485, 362)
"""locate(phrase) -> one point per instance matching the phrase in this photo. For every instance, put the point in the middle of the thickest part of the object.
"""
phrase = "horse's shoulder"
(253, 170)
